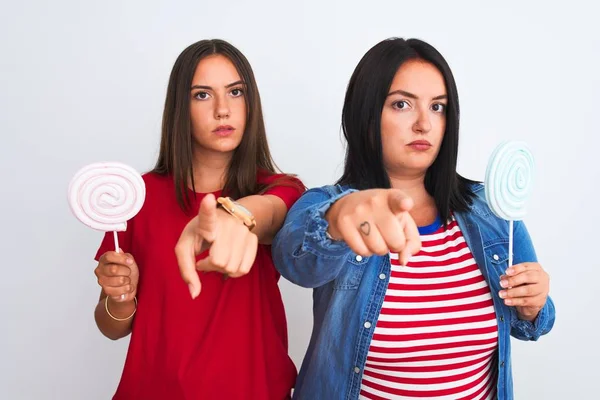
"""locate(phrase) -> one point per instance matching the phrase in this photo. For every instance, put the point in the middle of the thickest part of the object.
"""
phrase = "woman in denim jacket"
(413, 294)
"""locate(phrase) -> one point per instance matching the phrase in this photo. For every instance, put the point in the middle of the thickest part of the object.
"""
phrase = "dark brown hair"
(361, 123)
(176, 156)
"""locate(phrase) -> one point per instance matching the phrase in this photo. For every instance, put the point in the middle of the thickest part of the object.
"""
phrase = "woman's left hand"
(526, 287)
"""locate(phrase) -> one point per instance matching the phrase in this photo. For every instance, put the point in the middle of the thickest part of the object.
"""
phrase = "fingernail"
(510, 271)
(129, 261)
(503, 283)
(192, 291)
(508, 302)
(502, 294)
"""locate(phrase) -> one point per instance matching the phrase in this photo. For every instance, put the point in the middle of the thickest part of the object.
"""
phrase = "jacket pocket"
(351, 275)
(496, 255)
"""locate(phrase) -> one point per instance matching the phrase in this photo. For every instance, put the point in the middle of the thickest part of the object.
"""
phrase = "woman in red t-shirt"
(219, 333)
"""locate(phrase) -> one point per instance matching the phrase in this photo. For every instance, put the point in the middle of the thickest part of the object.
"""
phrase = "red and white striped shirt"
(436, 336)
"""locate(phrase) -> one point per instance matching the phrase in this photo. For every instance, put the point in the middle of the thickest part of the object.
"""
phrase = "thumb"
(398, 201)
(207, 218)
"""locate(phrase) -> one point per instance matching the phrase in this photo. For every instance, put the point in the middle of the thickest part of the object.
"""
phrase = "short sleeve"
(287, 188)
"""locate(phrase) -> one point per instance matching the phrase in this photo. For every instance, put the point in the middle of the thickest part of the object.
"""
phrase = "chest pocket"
(497, 257)
(350, 277)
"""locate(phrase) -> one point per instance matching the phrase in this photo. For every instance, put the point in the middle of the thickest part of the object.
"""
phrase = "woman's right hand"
(375, 221)
(118, 275)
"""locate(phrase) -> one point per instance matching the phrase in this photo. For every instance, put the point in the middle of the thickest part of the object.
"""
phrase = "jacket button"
(367, 325)
(502, 364)
(502, 318)
(356, 370)
(359, 258)
(495, 256)
(382, 276)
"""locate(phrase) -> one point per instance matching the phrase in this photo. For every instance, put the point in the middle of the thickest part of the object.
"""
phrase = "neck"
(424, 211)
(210, 169)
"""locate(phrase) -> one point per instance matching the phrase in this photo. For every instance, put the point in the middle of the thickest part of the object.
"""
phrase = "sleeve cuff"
(316, 240)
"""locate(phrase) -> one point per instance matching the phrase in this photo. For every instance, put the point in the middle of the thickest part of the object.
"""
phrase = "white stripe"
(396, 305)
(432, 363)
(430, 374)
(423, 270)
(434, 352)
(448, 245)
(450, 397)
(440, 328)
(423, 258)
(432, 317)
(432, 386)
(446, 279)
(440, 235)
(427, 342)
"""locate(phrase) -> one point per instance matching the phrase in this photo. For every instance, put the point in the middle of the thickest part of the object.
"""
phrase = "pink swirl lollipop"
(104, 196)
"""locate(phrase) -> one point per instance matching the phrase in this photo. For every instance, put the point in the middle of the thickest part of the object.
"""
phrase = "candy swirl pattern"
(104, 196)
(509, 180)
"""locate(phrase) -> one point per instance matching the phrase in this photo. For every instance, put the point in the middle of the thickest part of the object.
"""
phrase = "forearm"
(269, 212)
(302, 252)
(110, 327)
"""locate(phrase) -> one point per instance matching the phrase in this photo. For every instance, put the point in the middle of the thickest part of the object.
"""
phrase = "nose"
(423, 123)
(222, 107)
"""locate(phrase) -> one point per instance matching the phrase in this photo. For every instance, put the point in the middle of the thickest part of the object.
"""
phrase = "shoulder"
(157, 183)
(479, 206)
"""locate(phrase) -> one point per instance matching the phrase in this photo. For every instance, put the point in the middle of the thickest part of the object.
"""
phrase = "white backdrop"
(85, 81)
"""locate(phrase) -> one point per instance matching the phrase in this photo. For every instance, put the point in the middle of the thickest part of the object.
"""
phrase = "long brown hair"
(176, 156)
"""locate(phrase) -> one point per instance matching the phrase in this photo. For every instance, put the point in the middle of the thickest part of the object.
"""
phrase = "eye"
(237, 92)
(401, 105)
(438, 108)
(201, 96)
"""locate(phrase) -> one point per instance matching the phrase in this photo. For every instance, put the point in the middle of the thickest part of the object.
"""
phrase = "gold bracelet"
(120, 319)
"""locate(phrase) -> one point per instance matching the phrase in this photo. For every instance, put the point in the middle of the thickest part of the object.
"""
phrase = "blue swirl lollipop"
(508, 183)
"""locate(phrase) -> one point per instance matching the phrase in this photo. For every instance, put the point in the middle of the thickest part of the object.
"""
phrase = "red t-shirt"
(228, 343)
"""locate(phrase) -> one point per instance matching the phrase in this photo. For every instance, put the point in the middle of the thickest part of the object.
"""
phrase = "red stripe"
(435, 263)
(437, 310)
(425, 393)
(426, 381)
(429, 347)
(436, 286)
(431, 357)
(428, 275)
(434, 335)
(439, 297)
(442, 240)
(441, 252)
(436, 322)
(371, 396)
(430, 368)
(492, 387)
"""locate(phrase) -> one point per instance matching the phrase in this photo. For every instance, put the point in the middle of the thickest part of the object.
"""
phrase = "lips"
(224, 130)
(420, 145)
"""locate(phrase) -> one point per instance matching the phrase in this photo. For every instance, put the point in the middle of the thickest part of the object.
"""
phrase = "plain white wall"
(85, 81)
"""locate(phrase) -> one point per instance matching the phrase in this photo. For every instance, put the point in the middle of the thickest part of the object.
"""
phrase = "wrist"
(527, 314)
(331, 218)
(120, 309)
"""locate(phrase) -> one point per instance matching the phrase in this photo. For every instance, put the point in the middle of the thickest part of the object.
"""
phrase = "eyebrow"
(240, 82)
(414, 96)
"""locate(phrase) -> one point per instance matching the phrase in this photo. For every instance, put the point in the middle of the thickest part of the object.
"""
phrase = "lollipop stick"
(122, 297)
(510, 243)
(116, 241)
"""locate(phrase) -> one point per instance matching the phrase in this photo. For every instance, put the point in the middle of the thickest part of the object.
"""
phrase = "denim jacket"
(349, 291)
